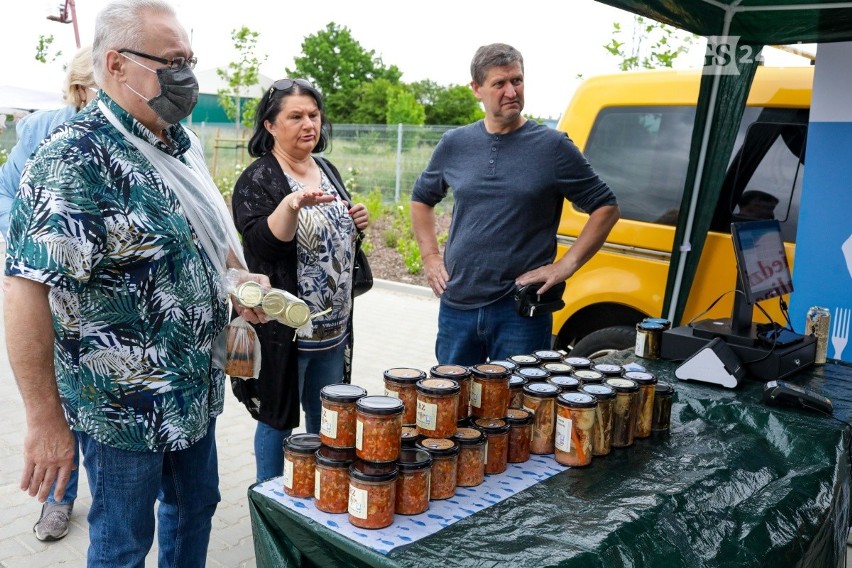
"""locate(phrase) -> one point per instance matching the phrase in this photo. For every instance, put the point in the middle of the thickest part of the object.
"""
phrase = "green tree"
(241, 75)
(403, 108)
(651, 44)
(453, 105)
(370, 102)
(43, 53)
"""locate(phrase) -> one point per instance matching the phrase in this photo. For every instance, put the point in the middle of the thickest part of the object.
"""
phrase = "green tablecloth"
(736, 483)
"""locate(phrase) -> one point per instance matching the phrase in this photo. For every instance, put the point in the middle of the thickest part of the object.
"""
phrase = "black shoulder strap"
(338, 185)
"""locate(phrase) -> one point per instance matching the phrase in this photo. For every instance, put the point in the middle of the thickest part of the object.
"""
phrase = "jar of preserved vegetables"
(471, 464)
(337, 424)
(401, 383)
(496, 431)
(520, 434)
(548, 356)
(565, 383)
(300, 464)
(489, 391)
(331, 489)
(623, 411)
(588, 377)
(516, 391)
(644, 401)
(540, 401)
(445, 454)
(461, 375)
(575, 418)
(412, 484)
(437, 407)
(602, 430)
(378, 428)
(578, 363)
(372, 494)
(663, 395)
(525, 360)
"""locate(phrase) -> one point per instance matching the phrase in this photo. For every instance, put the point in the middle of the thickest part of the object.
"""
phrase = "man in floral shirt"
(114, 299)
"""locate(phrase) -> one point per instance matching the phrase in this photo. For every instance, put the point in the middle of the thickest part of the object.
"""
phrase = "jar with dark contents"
(412, 483)
(557, 368)
(300, 464)
(401, 383)
(437, 407)
(378, 428)
(608, 370)
(547, 356)
(496, 431)
(510, 366)
(644, 401)
(602, 430)
(520, 434)
(516, 391)
(409, 436)
(337, 424)
(489, 391)
(445, 455)
(461, 375)
(540, 401)
(565, 383)
(372, 494)
(533, 374)
(471, 465)
(649, 338)
(623, 411)
(578, 363)
(663, 395)
(588, 377)
(575, 419)
(331, 490)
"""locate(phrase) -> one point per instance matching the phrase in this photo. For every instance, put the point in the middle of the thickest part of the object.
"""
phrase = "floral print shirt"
(135, 301)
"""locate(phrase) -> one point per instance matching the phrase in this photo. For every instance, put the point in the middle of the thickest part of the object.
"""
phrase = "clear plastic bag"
(242, 353)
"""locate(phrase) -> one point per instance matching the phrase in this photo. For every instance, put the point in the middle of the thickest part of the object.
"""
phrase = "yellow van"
(635, 128)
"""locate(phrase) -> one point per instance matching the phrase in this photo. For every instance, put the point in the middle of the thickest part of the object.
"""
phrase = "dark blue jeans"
(493, 332)
(125, 487)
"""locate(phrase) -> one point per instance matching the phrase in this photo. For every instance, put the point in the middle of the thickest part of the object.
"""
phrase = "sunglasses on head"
(286, 84)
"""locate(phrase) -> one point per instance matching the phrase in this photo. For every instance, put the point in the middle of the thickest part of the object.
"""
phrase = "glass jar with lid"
(557, 368)
(372, 494)
(445, 454)
(575, 419)
(578, 363)
(516, 391)
(608, 369)
(548, 356)
(533, 374)
(520, 434)
(540, 401)
(412, 483)
(496, 431)
(461, 375)
(331, 489)
(565, 383)
(588, 376)
(378, 428)
(602, 430)
(644, 401)
(663, 395)
(337, 422)
(470, 471)
(510, 366)
(489, 391)
(401, 383)
(300, 464)
(437, 407)
(409, 436)
(623, 411)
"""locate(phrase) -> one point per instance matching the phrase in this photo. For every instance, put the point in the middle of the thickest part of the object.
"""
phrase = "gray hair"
(493, 55)
(120, 25)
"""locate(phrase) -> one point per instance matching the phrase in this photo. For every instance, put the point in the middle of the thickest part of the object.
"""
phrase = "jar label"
(359, 435)
(328, 422)
(563, 433)
(391, 393)
(317, 477)
(357, 502)
(288, 474)
(486, 450)
(427, 415)
(476, 394)
(639, 348)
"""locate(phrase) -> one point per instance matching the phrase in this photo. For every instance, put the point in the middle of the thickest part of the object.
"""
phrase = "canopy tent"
(13, 99)
(731, 24)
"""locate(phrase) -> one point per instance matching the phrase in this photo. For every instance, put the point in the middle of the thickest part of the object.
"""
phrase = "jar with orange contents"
(461, 375)
(496, 431)
(331, 490)
(412, 484)
(337, 424)
(520, 434)
(575, 418)
(372, 494)
(300, 464)
(378, 428)
(471, 466)
(489, 391)
(401, 383)
(540, 401)
(437, 407)
(445, 454)
(409, 436)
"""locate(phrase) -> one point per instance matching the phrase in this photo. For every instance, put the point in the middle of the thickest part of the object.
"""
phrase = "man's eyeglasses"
(285, 84)
(174, 63)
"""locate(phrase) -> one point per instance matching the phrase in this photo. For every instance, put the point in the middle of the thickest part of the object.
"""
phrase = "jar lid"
(533, 373)
(303, 443)
(249, 294)
(438, 387)
(565, 383)
(342, 392)
(508, 364)
(608, 369)
(335, 457)
(558, 368)
(587, 376)
(661, 321)
(381, 405)
(548, 355)
(449, 372)
(489, 371)
(541, 390)
(491, 425)
(600, 392)
(649, 326)
(516, 381)
(515, 416)
(409, 434)
(525, 360)
(663, 389)
(622, 385)
(404, 375)
(372, 472)
(578, 362)
(641, 377)
(577, 400)
(439, 446)
(412, 459)
(469, 437)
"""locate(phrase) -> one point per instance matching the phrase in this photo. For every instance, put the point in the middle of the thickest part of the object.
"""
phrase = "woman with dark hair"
(297, 230)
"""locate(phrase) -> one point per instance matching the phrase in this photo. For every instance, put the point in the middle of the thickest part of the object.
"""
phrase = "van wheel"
(605, 342)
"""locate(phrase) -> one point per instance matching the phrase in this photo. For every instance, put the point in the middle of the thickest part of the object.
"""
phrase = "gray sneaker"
(53, 522)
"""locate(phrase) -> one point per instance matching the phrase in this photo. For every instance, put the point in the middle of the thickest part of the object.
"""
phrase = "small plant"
(411, 255)
(391, 238)
(225, 182)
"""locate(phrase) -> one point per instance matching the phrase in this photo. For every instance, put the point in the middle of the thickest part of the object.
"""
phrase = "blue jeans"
(125, 486)
(71, 487)
(317, 369)
(493, 332)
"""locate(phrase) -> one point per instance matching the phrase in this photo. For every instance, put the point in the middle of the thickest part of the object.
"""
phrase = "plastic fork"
(840, 331)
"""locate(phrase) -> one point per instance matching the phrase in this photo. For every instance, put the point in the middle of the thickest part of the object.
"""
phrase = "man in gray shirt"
(510, 178)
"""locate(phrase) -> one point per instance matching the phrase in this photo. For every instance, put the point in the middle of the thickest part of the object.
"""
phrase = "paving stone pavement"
(395, 326)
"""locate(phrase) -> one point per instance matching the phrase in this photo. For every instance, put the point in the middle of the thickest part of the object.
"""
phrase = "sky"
(426, 40)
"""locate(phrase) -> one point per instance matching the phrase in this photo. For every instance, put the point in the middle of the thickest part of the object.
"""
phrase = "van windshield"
(643, 154)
